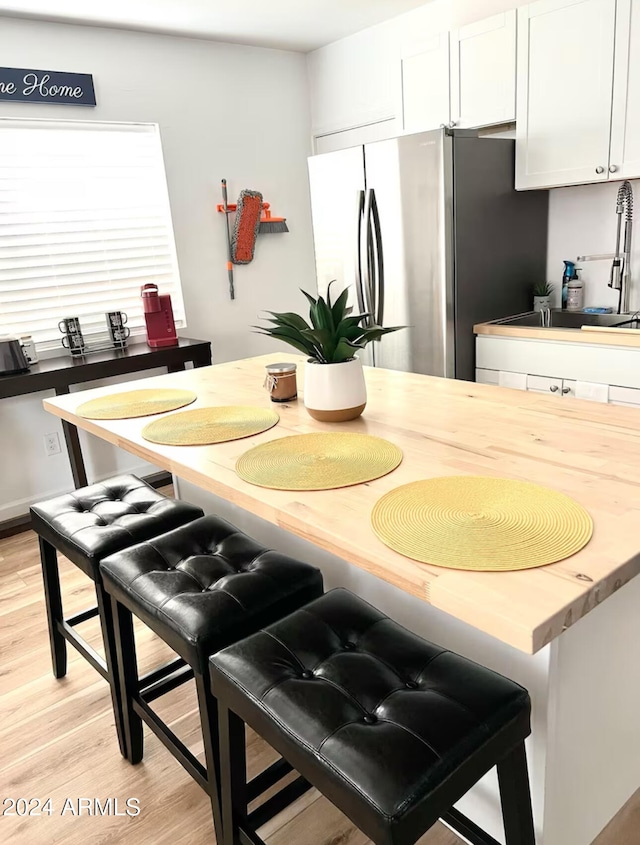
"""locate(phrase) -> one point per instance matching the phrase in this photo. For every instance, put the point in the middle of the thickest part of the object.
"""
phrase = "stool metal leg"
(513, 779)
(209, 721)
(53, 603)
(109, 641)
(128, 680)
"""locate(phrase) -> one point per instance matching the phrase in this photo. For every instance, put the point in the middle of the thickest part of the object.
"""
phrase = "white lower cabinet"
(561, 387)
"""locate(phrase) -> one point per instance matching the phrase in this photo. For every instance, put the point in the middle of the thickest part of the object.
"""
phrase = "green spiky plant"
(542, 289)
(332, 337)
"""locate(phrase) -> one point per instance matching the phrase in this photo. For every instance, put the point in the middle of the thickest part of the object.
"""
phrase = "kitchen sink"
(571, 320)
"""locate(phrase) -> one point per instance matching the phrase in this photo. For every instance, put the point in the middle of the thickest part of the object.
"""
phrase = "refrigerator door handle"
(376, 241)
(359, 263)
(370, 263)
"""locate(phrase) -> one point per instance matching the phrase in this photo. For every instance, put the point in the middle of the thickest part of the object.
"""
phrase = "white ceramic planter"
(334, 392)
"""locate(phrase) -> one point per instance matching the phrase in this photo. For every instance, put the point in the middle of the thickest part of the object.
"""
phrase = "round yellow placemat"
(135, 403)
(489, 524)
(202, 426)
(320, 461)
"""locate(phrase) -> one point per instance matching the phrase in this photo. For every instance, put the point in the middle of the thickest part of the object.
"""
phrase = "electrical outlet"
(52, 444)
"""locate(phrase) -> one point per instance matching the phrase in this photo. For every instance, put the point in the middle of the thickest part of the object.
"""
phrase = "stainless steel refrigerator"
(428, 232)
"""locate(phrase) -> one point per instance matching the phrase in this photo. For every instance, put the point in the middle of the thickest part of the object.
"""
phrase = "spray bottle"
(569, 275)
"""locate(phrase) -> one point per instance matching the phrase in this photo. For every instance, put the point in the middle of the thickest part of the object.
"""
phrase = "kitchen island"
(569, 632)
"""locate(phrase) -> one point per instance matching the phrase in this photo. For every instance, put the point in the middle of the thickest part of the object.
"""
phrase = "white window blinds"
(84, 223)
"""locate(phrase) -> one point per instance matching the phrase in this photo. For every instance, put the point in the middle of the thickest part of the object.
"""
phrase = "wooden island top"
(589, 451)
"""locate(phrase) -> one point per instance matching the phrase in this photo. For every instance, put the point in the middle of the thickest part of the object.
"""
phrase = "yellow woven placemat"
(202, 426)
(488, 524)
(135, 403)
(320, 461)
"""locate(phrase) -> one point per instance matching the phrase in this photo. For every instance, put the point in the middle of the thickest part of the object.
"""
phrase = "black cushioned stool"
(85, 526)
(389, 727)
(199, 588)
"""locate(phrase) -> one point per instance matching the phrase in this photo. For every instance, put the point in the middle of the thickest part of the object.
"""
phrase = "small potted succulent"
(334, 387)
(542, 296)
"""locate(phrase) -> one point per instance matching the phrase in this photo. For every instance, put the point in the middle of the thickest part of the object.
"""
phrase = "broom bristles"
(273, 227)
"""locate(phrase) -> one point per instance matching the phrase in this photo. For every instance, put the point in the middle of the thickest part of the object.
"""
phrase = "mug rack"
(79, 344)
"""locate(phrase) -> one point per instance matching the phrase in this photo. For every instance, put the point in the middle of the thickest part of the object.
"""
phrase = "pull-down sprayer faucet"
(620, 277)
(621, 267)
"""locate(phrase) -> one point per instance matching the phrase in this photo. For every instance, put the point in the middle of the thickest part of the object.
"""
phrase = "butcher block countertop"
(587, 450)
(599, 335)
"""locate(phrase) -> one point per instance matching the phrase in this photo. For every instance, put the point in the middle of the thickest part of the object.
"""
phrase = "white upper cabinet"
(425, 85)
(353, 82)
(565, 78)
(624, 162)
(483, 72)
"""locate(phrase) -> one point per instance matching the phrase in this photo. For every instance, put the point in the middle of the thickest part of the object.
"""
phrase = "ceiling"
(288, 24)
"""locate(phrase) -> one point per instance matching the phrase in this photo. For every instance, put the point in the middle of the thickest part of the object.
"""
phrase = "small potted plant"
(542, 296)
(334, 387)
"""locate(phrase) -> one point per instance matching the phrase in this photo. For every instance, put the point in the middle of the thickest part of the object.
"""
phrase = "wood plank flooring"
(57, 742)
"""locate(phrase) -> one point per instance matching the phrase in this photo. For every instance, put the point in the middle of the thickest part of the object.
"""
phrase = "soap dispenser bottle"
(568, 276)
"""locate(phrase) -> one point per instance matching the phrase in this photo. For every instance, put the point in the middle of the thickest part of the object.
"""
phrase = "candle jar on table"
(281, 382)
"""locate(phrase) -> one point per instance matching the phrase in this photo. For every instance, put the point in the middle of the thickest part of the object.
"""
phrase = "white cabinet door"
(483, 72)
(425, 85)
(625, 123)
(544, 384)
(518, 381)
(565, 78)
(592, 391)
(624, 396)
(487, 376)
(354, 81)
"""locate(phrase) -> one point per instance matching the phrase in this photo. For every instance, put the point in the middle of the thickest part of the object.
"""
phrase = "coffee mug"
(70, 325)
(74, 343)
(117, 330)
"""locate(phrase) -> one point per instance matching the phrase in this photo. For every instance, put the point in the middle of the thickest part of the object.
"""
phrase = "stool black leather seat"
(391, 728)
(85, 526)
(199, 588)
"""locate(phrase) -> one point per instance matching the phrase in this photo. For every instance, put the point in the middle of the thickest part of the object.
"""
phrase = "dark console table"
(60, 373)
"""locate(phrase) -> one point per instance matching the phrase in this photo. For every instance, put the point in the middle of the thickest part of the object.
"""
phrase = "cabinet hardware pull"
(566, 390)
(553, 388)
(613, 168)
(599, 169)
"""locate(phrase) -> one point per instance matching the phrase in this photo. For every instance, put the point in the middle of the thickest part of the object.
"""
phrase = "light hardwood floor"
(58, 742)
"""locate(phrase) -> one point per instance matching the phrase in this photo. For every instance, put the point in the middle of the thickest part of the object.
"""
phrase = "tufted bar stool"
(392, 729)
(85, 526)
(199, 588)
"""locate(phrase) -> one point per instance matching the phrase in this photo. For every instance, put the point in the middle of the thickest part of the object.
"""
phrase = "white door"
(624, 162)
(425, 85)
(483, 72)
(336, 180)
(565, 78)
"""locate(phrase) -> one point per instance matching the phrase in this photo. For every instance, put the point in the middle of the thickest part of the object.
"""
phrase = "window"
(84, 223)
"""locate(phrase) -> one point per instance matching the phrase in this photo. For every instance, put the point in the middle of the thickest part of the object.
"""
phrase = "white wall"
(224, 111)
(582, 221)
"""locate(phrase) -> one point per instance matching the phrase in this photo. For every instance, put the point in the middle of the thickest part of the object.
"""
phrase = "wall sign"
(46, 86)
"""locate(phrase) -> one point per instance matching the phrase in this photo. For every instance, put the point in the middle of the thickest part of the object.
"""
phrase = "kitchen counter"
(569, 632)
(619, 337)
(444, 427)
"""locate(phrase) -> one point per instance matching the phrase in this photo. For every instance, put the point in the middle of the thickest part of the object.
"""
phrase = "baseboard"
(22, 522)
